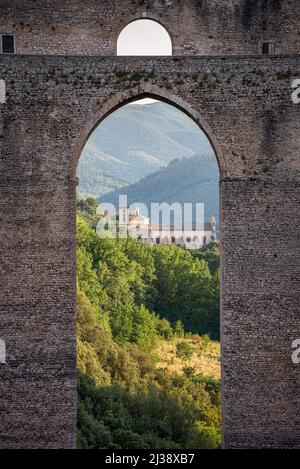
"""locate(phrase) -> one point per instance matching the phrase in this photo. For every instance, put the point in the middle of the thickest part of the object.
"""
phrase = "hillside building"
(189, 236)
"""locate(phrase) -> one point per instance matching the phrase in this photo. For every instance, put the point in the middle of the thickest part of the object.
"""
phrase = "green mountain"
(194, 179)
(135, 141)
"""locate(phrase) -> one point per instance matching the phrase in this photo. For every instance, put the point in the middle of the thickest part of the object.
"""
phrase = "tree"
(87, 211)
(182, 285)
(145, 332)
(211, 254)
(179, 329)
(205, 341)
(127, 294)
(184, 351)
(165, 330)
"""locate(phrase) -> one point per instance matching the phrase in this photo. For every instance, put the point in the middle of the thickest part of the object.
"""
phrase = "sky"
(144, 37)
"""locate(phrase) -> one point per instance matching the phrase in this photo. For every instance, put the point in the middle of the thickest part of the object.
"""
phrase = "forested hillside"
(144, 316)
(189, 180)
(135, 141)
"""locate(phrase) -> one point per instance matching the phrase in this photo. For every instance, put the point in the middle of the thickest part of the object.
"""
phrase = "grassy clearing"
(205, 361)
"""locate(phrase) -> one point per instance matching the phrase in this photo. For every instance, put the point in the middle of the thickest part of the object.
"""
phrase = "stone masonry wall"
(197, 27)
(245, 107)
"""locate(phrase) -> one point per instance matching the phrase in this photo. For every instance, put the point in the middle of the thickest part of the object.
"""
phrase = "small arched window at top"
(144, 38)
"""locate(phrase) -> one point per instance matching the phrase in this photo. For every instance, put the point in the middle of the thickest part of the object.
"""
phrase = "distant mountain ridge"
(135, 141)
(189, 180)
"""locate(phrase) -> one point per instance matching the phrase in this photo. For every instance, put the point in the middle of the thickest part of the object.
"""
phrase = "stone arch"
(147, 90)
(144, 90)
(145, 16)
(259, 270)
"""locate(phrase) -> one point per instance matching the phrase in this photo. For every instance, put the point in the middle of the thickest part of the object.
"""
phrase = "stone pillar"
(37, 301)
(260, 313)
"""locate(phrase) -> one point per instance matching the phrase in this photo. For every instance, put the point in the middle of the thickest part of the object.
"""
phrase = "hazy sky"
(144, 37)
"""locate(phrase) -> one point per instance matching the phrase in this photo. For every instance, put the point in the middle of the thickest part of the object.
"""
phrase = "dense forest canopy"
(131, 299)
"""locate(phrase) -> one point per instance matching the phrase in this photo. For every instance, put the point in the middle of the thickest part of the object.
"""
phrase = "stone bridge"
(49, 105)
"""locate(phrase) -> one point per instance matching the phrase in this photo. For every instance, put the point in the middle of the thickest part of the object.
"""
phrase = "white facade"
(187, 236)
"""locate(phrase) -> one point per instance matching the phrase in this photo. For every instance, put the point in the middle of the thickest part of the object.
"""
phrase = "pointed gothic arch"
(96, 116)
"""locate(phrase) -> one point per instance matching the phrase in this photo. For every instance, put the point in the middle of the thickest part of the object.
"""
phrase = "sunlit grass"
(206, 362)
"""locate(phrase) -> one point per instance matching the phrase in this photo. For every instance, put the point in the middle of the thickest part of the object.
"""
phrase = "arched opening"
(144, 37)
(148, 304)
